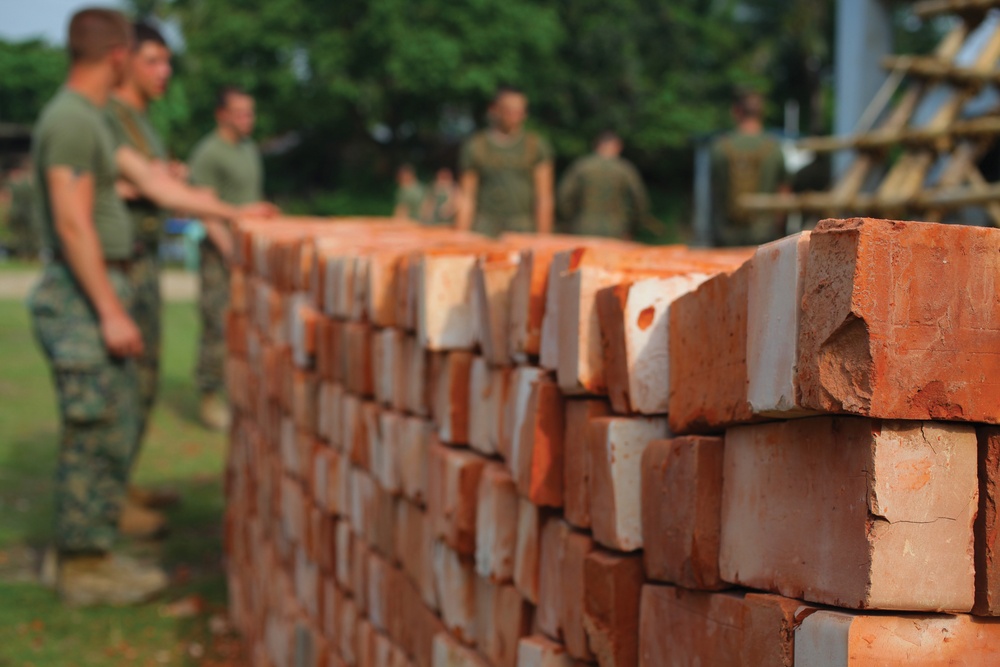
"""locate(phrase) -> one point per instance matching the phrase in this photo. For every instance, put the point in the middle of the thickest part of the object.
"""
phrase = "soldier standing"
(409, 194)
(80, 313)
(443, 200)
(23, 227)
(229, 162)
(507, 173)
(746, 161)
(602, 194)
(151, 184)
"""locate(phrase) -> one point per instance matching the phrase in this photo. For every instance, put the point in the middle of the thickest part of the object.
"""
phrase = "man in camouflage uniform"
(151, 184)
(229, 162)
(602, 194)
(409, 194)
(746, 161)
(80, 315)
(507, 173)
(21, 217)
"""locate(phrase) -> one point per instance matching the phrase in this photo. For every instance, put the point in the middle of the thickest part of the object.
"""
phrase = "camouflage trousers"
(147, 312)
(98, 410)
(213, 300)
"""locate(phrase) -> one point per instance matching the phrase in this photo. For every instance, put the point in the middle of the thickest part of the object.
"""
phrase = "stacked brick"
(556, 452)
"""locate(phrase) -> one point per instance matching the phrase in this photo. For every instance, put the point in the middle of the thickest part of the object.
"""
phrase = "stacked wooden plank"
(456, 452)
(916, 152)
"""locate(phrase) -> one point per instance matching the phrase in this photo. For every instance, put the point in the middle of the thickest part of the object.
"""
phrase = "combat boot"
(138, 522)
(214, 412)
(153, 498)
(107, 579)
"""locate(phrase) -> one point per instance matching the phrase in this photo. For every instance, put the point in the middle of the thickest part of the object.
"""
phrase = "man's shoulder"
(65, 111)
(208, 145)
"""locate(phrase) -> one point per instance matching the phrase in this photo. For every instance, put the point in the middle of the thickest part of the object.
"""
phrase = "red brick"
(515, 411)
(576, 458)
(769, 624)
(616, 447)
(919, 641)
(414, 544)
(538, 651)
(574, 585)
(526, 554)
(774, 307)
(414, 457)
(453, 485)
(681, 627)
(899, 321)
(852, 512)
(455, 582)
(450, 653)
(445, 316)
(987, 525)
(538, 459)
(491, 288)
(360, 378)
(552, 554)
(611, 607)
(635, 335)
(487, 396)
(451, 400)
(708, 347)
(415, 371)
(502, 618)
(496, 524)
(682, 511)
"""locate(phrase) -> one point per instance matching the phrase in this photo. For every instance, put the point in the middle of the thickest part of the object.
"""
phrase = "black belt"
(119, 264)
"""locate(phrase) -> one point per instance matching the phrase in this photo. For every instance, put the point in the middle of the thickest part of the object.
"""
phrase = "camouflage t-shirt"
(72, 132)
(505, 199)
(603, 196)
(131, 127)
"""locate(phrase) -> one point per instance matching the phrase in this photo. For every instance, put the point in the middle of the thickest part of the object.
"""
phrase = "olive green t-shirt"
(131, 127)
(412, 197)
(505, 198)
(72, 132)
(234, 171)
(603, 196)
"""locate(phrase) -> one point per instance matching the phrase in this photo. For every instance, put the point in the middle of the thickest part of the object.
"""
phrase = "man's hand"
(260, 209)
(178, 170)
(126, 190)
(121, 335)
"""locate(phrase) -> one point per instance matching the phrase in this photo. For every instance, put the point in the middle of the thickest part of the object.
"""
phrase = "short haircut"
(224, 93)
(749, 103)
(605, 137)
(506, 89)
(146, 33)
(95, 32)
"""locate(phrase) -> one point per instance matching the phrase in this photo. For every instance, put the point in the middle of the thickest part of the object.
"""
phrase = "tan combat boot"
(139, 522)
(107, 579)
(214, 412)
(153, 498)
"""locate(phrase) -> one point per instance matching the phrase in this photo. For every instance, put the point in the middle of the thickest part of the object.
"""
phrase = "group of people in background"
(507, 178)
(104, 185)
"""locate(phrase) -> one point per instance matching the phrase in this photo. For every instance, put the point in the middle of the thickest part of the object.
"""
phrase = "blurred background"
(348, 90)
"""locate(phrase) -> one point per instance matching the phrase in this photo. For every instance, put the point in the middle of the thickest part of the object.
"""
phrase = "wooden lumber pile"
(531, 452)
(916, 153)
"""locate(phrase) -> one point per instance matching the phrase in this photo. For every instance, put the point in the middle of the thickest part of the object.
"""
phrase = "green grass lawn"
(34, 628)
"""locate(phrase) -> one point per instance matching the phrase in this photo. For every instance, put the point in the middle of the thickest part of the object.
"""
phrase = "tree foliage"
(30, 73)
